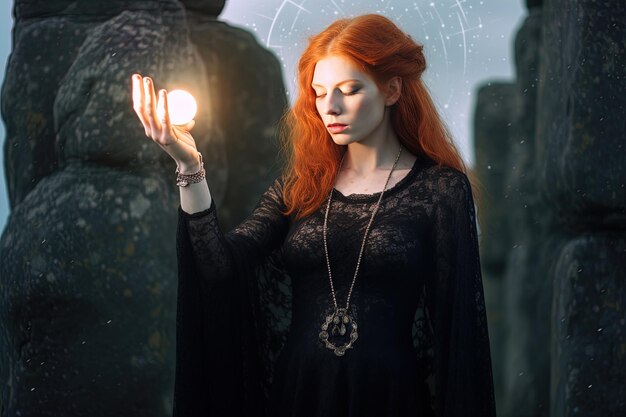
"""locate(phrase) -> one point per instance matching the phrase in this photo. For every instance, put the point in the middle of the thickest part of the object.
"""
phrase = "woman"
(373, 220)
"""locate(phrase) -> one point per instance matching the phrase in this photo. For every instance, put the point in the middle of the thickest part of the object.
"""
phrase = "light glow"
(182, 107)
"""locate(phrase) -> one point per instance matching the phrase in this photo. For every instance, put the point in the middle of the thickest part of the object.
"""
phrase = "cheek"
(369, 110)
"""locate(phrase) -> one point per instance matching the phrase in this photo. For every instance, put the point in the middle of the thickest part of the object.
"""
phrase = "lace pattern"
(236, 288)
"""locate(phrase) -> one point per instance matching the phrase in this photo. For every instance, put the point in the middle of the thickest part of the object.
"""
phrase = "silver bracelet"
(183, 180)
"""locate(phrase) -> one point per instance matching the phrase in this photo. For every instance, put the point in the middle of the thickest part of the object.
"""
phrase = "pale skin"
(175, 140)
(349, 96)
(345, 95)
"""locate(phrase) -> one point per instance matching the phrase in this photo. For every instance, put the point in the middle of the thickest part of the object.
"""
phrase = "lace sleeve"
(455, 305)
(217, 366)
(217, 256)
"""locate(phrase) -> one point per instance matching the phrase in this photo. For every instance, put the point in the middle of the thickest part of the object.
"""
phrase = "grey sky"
(466, 42)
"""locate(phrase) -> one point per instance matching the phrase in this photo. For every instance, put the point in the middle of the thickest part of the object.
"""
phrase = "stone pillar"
(492, 139)
(581, 166)
(87, 259)
(247, 99)
(566, 203)
(528, 287)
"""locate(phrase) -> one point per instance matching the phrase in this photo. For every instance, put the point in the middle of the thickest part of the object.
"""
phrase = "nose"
(331, 105)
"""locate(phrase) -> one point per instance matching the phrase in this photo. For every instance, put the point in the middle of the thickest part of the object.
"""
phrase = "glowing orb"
(182, 106)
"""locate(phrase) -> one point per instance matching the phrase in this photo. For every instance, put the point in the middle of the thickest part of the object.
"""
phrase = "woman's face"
(347, 100)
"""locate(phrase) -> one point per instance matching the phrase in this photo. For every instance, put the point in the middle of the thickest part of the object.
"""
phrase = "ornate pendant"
(339, 331)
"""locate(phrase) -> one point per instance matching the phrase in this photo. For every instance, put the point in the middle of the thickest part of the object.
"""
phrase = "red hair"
(376, 46)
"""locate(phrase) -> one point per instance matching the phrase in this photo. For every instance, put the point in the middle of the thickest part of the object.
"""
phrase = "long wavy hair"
(376, 46)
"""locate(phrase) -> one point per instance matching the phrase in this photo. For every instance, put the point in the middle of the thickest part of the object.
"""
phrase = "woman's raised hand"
(155, 117)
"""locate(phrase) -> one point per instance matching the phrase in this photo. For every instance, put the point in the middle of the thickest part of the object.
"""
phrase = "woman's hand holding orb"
(168, 127)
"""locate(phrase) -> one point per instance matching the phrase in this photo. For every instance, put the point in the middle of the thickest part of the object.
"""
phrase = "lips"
(337, 127)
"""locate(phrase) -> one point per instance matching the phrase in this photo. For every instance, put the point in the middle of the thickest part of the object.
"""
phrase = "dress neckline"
(419, 162)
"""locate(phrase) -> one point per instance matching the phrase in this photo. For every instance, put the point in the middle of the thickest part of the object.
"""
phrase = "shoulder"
(277, 185)
(274, 194)
(448, 185)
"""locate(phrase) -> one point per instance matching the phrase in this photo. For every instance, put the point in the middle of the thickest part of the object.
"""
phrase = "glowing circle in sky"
(182, 106)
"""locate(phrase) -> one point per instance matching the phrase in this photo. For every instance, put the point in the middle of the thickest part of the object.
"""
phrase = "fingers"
(138, 102)
(144, 104)
(150, 108)
(163, 112)
(154, 114)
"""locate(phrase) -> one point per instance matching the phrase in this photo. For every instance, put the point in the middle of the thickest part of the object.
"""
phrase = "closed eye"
(345, 93)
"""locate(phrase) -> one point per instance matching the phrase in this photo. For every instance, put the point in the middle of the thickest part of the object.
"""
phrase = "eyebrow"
(337, 85)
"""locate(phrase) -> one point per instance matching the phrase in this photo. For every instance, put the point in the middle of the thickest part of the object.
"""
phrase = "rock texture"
(492, 137)
(528, 291)
(247, 103)
(581, 160)
(565, 202)
(87, 259)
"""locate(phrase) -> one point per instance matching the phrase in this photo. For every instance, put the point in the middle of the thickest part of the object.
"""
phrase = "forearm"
(195, 197)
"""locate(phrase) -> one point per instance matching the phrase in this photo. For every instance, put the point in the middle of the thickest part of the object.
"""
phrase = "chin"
(344, 140)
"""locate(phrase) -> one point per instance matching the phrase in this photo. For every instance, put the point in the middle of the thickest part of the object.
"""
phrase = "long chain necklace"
(340, 320)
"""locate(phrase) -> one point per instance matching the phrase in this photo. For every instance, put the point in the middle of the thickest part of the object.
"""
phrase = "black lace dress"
(251, 304)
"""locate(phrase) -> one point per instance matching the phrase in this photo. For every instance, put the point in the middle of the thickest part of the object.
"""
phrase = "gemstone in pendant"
(346, 320)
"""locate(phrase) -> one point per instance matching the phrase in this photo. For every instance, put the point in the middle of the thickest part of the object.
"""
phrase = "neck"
(377, 151)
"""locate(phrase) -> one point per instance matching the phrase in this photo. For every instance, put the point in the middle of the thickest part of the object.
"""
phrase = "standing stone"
(248, 98)
(582, 160)
(87, 259)
(528, 288)
(87, 293)
(492, 137)
(566, 199)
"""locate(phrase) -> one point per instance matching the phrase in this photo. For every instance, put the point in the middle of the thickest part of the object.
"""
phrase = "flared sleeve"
(217, 366)
(455, 306)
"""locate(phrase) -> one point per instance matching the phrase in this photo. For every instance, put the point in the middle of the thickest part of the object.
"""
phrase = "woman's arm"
(455, 304)
(176, 141)
(217, 368)
(220, 256)
(195, 197)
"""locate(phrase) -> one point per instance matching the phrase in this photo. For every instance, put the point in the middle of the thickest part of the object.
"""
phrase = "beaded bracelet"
(183, 180)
